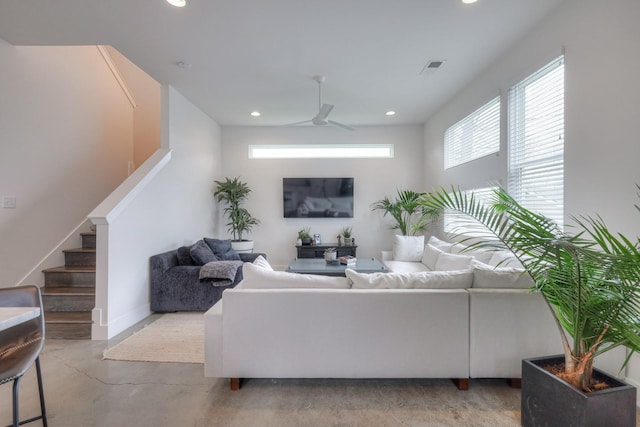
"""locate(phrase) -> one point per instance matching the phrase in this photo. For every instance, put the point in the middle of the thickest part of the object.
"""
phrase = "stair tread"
(81, 250)
(88, 233)
(78, 290)
(63, 269)
(67, 317)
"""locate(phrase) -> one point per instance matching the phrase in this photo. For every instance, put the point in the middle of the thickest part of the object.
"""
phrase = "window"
(321, 151)
(461, 224)
(473, 137)
(536, 141)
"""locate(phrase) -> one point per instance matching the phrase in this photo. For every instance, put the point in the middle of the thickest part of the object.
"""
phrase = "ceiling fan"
(321, 119)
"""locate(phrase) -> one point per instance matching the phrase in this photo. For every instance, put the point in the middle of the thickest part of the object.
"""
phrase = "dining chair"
(20, 346)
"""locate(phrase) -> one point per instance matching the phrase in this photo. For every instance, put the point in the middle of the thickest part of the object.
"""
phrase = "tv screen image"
(318, 197)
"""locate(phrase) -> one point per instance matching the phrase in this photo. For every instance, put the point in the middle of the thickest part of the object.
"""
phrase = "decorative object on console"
(406, 210)
(317, 240)
(582, 277)
(346, 233)
(317, 197)
(304, 236)
(232, 193)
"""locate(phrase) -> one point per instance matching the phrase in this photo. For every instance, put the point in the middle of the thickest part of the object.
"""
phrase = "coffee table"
(319, 266)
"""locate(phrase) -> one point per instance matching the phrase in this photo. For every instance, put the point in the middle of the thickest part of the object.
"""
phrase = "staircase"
(69, 292)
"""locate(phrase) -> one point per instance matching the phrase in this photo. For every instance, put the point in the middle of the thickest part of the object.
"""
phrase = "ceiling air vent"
(432, 66)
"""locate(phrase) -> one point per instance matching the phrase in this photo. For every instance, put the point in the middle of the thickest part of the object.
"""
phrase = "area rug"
(174, 337)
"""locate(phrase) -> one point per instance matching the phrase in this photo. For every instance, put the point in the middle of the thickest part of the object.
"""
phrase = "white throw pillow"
(256, 277)
(408, 248)
(504, 259)
(479, 254)
(440, 244)
(430, 256)
(458, 279)
(486, 276)
(379, 280)
(260, 261)
(447, 262)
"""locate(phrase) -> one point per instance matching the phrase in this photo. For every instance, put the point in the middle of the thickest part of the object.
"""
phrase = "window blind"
(457, 223)
(536, 141)
(475, 136)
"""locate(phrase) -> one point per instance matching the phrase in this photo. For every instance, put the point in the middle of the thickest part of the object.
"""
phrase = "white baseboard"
(106, 330)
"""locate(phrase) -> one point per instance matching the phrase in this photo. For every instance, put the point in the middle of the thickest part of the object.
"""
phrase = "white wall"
(146, 114)
(374, 179)
(602, 148)
(175, 208)
(65, 138)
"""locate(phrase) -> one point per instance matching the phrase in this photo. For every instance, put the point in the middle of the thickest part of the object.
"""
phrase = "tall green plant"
(232, 193)
(405, 209)
(590, 279)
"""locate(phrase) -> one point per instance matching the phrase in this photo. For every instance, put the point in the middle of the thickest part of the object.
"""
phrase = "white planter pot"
(244, 246)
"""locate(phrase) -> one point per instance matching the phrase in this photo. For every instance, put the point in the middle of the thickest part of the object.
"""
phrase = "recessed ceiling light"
(390, 113)
(177, 3)
(255, 113)
(469, 1)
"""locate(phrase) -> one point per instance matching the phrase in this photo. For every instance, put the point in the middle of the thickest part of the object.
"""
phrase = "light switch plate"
(9, 202)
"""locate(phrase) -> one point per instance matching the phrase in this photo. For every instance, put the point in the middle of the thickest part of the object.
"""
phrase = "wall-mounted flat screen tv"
(318, 197)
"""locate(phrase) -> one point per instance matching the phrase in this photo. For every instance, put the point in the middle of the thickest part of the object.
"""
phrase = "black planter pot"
(549, 401)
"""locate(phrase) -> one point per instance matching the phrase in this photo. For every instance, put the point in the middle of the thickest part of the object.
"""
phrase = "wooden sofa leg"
(234, 383)
(461, 383)
(514, 382)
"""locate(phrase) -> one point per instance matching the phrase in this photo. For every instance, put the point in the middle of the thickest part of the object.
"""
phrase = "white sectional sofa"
(427, 324)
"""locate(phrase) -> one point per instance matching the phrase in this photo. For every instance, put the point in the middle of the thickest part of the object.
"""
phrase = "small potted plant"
(346, 233)
(330, 254)
(305, 235)
(232, 193)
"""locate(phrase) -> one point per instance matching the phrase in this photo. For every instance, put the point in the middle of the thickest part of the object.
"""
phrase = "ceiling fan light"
(177, 3)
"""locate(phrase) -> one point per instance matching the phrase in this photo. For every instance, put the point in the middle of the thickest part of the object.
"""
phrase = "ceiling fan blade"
(298, 123)
(324, 112)
(340, 125)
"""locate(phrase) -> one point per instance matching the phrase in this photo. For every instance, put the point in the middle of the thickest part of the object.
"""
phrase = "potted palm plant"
(406, 210)
(233, 193)
(591, 281)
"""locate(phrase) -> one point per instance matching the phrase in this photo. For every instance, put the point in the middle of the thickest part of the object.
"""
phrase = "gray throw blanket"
(223, 271)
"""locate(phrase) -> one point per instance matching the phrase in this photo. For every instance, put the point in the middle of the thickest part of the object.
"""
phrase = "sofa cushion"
(448, 262)
(422, 280)
(256, 277)
(440, 244)
(184, 256)
(222, 249)
(486, 276)
(408, 248)
(405, 266)
(202, 253)
(454, 279)
(430, 256)
(504, 259)
(479, 254)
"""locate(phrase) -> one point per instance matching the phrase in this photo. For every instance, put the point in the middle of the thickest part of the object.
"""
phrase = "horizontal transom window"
(321, 151)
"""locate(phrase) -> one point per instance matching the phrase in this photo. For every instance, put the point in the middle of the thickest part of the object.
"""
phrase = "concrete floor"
(82, 389)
